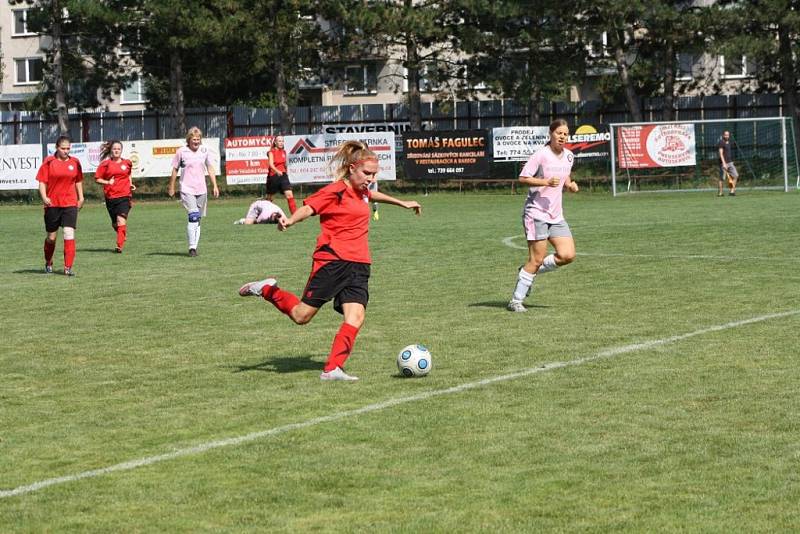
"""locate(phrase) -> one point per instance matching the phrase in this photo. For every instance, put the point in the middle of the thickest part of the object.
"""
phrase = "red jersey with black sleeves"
(61, 177)
(120, 171)
(344, 223)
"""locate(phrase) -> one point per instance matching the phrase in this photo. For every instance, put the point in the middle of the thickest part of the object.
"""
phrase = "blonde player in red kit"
(114, 174)
(61, 188)
(341, 267)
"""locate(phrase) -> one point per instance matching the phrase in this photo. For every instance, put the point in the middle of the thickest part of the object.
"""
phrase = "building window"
(135, 92)
(734, 67)
(20, 22)
(29, 70)
(686, 66)
(598, 47)
(360, 80)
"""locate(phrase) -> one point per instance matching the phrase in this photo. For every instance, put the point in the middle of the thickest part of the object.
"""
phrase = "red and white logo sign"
(662, 145)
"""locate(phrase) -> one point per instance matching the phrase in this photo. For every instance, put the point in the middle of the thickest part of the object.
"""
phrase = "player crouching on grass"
(341, 266)
(261, 212)
(547, 172)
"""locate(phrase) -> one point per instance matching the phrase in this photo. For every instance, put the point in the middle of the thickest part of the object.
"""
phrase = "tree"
(82, 59)
(521, 51)
(193, 37)
(285, 43)
(769, 38)
(420, 32)
(621, 23)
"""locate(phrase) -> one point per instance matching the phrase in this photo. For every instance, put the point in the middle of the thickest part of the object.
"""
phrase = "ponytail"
(350, 153)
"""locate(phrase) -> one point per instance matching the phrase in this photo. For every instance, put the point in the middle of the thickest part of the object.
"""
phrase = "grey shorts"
(731, 170)
(194, 203)
(536, 230)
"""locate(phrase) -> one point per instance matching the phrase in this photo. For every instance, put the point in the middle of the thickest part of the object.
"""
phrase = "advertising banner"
(154, 158)
(308, 156)
(395, 127)
(247, 160)
(587, 143)
(19, 165)
(519, 142)
(87, 153)
(656, 145)
(453, 154)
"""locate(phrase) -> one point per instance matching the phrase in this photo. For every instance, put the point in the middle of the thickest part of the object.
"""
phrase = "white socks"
(525, 279)
(524, 283)
(548, 264)
(193, 234)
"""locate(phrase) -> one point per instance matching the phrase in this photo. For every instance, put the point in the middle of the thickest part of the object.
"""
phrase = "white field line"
(229, 442)
(511, 243)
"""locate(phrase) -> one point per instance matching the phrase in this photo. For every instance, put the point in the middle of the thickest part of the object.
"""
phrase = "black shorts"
(340, 280)
(278, 184)
(56, 217)
(118, 207)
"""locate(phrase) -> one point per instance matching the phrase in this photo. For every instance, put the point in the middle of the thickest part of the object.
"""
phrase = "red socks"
(122, 232)
(69, 253)
(49, 250)
(342, 347)
(292, 205)
(283, 300)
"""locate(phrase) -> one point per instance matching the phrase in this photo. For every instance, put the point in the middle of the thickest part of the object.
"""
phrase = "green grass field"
(652, 386)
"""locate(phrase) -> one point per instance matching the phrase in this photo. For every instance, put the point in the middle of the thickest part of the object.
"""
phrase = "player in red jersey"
(341, 267)
(114, 174)
(278, 178)
(61, 188)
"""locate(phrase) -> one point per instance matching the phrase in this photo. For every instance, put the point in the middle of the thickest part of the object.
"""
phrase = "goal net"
(684, 155)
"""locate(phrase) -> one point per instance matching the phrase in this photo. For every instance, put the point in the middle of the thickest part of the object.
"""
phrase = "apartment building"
(22, 56)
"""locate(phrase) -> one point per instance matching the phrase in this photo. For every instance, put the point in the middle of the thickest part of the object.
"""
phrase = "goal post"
(684, 155)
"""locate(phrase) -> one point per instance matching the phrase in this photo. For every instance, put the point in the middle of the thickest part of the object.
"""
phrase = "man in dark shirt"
(727, 170)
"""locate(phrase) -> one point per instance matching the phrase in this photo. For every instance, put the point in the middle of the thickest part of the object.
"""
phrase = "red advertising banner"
(246, 160)
(656, 145)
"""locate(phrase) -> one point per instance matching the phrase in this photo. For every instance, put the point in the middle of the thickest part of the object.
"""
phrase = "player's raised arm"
(383, 198)
(299, 215)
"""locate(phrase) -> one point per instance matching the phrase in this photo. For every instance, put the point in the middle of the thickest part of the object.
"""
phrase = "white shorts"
(194, 203)
(536, 230)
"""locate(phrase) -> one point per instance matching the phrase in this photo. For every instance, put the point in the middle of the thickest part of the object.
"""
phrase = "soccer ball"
(414, 360)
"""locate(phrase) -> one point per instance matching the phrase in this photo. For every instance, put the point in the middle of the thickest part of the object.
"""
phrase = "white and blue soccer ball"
(414, 360)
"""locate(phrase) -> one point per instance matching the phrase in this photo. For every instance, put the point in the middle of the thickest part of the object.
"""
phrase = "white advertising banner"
(154, 158)
(87, 153)
(308, 156)
(19, 165)
(247, 159)
(518, 143)
(369, 127)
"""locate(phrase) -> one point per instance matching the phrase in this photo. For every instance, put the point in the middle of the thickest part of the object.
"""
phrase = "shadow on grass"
(33, 271)
(184, 254)
(98, 250)
(281, 364)
(502, 304)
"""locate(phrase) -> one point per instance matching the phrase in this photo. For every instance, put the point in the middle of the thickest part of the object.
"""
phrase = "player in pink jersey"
(61, 188)
(547, 172)
(193, 160)
(114, 174)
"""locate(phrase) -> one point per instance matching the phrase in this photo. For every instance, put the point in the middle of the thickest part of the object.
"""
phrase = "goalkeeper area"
(684, 155)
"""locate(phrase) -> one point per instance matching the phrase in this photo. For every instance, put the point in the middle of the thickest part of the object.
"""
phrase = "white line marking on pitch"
(510, 242)
(211, 445)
